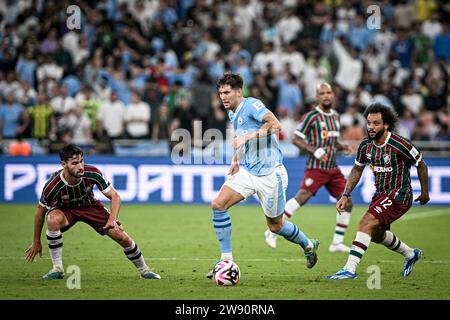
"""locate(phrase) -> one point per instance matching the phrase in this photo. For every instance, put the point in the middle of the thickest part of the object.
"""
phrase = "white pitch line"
(209, 259)
(426, 214)
(421, 261)
(170, 259)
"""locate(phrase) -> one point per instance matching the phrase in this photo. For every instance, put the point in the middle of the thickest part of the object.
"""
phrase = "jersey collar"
(65, 181)
(385, 141)
(324, 113)
(239, 106)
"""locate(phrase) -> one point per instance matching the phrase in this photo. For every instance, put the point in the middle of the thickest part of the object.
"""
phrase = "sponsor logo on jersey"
(378, 209)
(329, 134)
(309, 182)
(382, 169)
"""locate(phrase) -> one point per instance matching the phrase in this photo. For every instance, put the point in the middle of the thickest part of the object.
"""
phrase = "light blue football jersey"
(262, 155)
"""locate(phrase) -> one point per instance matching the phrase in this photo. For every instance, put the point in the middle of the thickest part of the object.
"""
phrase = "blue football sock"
(293, 234)
(222, 226)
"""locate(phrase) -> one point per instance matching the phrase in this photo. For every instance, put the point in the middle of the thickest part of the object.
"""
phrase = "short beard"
(74, 175)
(327, 106)
(377, 135)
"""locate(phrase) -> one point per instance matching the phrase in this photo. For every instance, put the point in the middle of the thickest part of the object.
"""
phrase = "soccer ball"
(226, 273)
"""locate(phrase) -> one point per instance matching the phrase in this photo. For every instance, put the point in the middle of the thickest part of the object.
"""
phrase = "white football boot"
(340, 247)
(271, 238)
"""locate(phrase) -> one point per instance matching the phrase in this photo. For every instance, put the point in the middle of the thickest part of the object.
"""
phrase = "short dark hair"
(388, 114)
(68, 151)
(232, 79)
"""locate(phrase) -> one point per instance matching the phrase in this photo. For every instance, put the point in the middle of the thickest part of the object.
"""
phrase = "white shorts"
(270, 189)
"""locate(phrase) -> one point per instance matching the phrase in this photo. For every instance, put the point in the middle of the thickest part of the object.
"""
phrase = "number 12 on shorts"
(385, 203)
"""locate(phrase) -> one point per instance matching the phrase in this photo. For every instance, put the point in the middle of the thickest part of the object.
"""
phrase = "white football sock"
(290, 207)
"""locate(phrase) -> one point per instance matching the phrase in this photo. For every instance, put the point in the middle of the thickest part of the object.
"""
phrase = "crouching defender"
(67, 198)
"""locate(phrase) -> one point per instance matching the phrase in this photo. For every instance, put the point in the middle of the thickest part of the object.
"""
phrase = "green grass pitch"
(179, 242)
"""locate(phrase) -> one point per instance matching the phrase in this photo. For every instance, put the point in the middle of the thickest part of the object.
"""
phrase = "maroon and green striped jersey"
(391, 164)
(321, 130)
(57, 193)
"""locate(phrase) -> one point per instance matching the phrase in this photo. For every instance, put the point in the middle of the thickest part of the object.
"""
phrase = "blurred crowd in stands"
(139, 69)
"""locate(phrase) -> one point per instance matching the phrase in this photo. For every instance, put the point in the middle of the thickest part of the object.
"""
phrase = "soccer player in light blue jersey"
(256, 167)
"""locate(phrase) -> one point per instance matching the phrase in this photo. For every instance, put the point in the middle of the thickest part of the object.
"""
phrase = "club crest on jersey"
(309, 182)
(88, 189)
(386, 158)
(240, 121)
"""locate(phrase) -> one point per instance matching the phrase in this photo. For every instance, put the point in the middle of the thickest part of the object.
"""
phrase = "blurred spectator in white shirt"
(289, 26)
(350, 67)
(294, 59)
(79, 126)
(111, 117)
(412, 101)
(137, 117)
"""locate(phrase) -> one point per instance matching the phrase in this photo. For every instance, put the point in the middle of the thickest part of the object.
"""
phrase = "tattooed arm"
(352, 181)
(422, 172)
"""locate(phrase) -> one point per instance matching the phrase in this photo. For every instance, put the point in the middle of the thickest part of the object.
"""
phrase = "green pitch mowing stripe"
(179, 242)
(426, 214)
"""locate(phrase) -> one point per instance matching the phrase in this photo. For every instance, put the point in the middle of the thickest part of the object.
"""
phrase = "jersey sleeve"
(361, 159)
(99, 179)
(305, 125)
(414, 155)
(44, 201)
(48, 193)
(258, 110)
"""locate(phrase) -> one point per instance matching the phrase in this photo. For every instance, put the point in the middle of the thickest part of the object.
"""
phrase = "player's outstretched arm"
(114, 196)
(352, 181)
(422, 172)
(318, 153)
(36, 246)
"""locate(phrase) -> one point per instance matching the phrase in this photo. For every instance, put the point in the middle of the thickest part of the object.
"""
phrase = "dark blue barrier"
(157, 180)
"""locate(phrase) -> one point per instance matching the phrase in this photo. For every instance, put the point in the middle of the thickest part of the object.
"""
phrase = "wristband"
(319, 153)
(348, 195)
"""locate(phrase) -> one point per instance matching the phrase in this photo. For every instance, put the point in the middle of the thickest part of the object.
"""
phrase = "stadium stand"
(61, 81)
